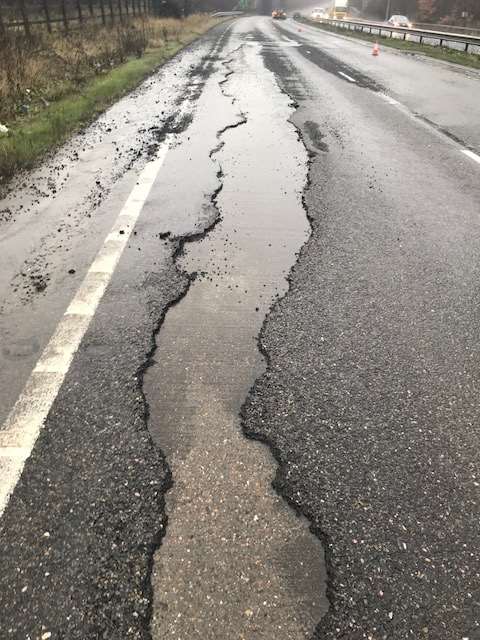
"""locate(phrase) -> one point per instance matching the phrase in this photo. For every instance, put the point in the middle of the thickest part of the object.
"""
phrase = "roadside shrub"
(132, 40)
(46, 67)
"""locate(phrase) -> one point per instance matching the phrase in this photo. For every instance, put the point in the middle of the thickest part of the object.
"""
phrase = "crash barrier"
(458, 41)
(227, 14)
(448, 28)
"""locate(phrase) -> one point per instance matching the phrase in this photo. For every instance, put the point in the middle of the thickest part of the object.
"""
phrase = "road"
(276, 236)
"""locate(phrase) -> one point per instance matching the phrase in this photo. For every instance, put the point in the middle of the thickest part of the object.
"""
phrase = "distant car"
(318, 14)
(400, 21)
(279, 14)
(297, 15)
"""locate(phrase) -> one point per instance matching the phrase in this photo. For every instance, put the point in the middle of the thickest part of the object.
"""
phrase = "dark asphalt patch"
(200, 73)
(316, 137)
(331, 64)
(276, 61)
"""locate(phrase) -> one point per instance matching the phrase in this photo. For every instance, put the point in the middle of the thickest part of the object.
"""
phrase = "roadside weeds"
(44, 109)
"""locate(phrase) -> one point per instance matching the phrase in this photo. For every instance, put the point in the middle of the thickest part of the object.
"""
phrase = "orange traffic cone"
(376, 49)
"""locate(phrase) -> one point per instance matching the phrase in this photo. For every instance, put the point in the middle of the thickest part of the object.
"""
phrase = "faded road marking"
(349, 78)
(22, 426)
(430, 125)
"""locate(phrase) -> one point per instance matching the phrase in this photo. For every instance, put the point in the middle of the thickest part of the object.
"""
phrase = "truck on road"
(338, 10)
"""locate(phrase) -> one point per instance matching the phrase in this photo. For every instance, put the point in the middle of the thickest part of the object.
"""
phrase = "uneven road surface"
(240, 356)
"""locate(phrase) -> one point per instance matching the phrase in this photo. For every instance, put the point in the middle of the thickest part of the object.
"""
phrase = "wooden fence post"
(79, 11)
(102, 11)
(2, 25)
(90, 8)
(26, 22)
(120, 13)
(46, 11)
(126, 8)
(64, 15)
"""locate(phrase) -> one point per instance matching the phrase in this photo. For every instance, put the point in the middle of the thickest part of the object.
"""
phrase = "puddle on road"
(236, 562)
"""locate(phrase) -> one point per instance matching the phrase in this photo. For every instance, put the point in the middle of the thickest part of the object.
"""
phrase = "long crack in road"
(301, 269)
(236, 561)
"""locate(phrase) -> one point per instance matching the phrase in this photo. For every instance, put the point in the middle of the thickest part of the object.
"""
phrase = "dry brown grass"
(35, 73)
(53, 85)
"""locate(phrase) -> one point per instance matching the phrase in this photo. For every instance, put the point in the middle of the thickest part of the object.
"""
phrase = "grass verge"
(31, 136)
(440, 53)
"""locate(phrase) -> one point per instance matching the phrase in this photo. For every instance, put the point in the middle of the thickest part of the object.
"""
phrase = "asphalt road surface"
(276, 238)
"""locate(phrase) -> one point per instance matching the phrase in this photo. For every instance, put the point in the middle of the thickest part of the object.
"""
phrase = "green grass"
(440, 53)
(32, 136)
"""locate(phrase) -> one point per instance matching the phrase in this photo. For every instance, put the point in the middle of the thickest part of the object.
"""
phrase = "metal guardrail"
(227, 14)
(448, 28)
(463, 42)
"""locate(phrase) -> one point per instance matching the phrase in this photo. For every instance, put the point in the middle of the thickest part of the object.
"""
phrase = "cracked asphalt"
(303, 271)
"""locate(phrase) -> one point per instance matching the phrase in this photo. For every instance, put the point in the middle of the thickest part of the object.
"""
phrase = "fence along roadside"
(67, 14)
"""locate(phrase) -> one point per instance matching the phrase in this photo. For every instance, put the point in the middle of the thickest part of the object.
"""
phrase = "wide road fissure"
(369, 392)
(236, 561)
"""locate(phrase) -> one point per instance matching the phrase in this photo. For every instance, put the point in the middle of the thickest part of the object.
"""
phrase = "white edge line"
(471, 155)
(26, 419)
(467, 152)
(349, 78)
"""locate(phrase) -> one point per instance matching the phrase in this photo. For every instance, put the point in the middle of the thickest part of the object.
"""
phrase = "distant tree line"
(180, 8)
(437, 11)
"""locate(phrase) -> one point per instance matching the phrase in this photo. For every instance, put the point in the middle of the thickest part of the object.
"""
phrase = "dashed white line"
(25, 421)
(349, 78)
(471, 155)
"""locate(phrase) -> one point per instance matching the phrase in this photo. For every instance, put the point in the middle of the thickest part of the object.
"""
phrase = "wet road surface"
(274, 142)
(236, 561)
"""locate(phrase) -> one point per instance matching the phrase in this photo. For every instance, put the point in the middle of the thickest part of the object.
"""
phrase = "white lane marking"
(471, 155)
(26, 419)
(292, 43)
(13, 452)
(349, 78)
